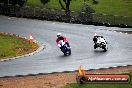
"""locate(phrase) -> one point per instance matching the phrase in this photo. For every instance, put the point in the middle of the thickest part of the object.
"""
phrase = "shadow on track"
(99, 51)
(63, 56)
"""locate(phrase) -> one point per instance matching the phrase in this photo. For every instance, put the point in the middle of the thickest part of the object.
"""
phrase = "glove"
(59, 45)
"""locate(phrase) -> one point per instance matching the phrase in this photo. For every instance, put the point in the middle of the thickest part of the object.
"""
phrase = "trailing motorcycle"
(64, 48)
(101, 44)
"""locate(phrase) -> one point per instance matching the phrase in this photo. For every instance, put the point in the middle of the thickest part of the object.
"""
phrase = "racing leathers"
(96, 38)
(64, 40)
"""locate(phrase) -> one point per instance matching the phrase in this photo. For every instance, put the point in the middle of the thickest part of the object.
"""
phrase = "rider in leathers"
(60, 37)
(96, 38)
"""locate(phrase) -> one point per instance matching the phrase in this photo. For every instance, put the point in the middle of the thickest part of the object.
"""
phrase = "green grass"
(111, 7)
(12, 45)
(99, 86)
(75, 85)
(116, 7)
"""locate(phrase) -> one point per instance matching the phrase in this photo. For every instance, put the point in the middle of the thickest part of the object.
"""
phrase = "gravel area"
(55, 80)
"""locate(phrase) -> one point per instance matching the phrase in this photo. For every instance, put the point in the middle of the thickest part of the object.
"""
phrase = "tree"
(66, 7)
(45, 1)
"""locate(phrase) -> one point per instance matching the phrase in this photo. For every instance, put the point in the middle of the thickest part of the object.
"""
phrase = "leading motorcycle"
(64, 48)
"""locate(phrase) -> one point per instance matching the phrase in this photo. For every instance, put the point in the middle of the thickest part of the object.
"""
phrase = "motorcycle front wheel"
(68, 52)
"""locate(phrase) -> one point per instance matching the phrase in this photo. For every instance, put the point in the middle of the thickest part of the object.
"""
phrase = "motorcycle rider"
(96, 38)
(60, 37)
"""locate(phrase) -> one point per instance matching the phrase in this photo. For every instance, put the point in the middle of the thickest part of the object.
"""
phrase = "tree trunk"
(67, 7)
(62, 5)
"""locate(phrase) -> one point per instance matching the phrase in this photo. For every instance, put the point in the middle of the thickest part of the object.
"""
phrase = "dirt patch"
(56, 80)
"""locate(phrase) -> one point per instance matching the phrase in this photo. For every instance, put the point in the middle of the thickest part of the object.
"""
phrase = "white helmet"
(58, 34)
(95, 34)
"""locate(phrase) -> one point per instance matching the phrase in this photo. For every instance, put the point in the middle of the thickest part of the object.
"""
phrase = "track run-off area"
(51, 59)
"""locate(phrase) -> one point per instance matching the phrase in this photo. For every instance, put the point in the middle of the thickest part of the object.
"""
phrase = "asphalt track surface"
(80, 37)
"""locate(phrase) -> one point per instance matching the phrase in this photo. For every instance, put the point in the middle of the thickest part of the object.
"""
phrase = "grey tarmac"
(51, 59)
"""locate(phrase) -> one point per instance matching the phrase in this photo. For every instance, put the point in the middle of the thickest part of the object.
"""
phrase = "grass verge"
(111, 7)
(12, 46)
(75, 85)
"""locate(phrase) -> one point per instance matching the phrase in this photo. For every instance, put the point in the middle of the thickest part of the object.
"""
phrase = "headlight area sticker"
(104, 78)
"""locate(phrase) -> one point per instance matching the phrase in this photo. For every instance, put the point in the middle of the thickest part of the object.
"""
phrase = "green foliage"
(111, 7)
(86, 8)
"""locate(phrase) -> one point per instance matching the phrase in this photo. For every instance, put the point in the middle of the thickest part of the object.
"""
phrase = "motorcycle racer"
(98, 39)
(60, 37)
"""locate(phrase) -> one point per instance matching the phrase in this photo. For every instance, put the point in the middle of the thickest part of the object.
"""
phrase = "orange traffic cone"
(31, 38)
(80, 71)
